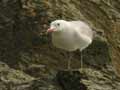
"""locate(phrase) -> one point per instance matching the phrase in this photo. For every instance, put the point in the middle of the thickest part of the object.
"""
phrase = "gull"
(71, 36)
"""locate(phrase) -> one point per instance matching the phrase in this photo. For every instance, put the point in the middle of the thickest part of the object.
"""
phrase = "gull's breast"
(64, 41)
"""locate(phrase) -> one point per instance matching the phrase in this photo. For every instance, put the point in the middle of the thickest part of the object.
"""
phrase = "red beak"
(50, 30)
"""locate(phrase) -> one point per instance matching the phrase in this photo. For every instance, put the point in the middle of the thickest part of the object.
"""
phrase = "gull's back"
(83, 28)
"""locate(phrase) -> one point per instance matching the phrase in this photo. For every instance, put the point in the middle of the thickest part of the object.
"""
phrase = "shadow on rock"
(70, 80)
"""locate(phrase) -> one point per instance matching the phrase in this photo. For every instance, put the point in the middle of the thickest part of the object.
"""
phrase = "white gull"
(71, 35)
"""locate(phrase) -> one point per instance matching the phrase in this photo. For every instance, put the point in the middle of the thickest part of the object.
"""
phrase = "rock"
(90, 79)
(10, 78)
(44, 84)
(100, 80)
(92, 56)
(70, 80)
(24, 47)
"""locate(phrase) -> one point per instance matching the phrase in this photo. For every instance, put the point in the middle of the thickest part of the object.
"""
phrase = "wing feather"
(83, 28)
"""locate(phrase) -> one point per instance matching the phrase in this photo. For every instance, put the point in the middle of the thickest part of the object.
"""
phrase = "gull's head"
(57, 26)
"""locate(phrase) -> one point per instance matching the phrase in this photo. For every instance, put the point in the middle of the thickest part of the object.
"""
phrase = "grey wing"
(83, 28)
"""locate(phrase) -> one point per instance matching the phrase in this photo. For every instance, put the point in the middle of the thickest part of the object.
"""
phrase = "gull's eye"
(58, 24)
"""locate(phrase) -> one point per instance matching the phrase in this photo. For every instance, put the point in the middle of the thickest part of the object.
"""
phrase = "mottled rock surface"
(29, 61)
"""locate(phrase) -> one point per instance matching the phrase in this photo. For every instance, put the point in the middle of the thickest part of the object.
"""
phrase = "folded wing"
(83, 28)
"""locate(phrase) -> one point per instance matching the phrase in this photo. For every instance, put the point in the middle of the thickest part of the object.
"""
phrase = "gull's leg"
(81, 61)
(69, 61)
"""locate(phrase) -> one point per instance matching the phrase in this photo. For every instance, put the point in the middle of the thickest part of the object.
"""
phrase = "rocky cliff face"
(28, 61)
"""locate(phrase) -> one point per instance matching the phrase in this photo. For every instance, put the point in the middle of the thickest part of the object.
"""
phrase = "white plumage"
(70, 35)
